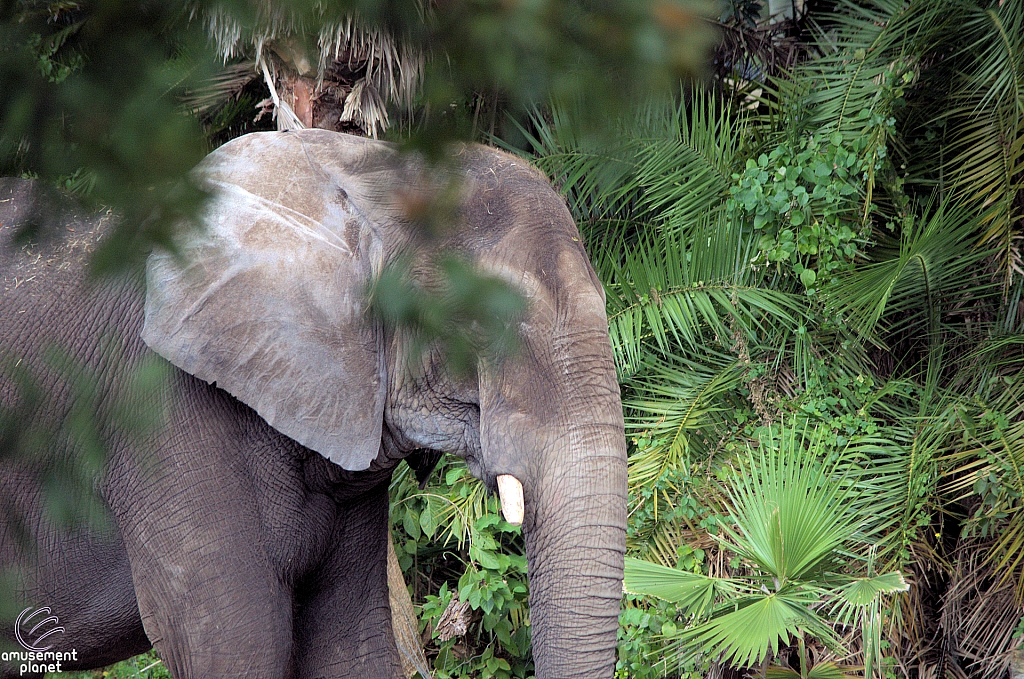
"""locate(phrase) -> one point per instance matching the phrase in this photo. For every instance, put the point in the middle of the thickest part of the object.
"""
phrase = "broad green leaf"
(410, 522)
(695, 592)
(427, 522)
(759, 625)
(863, 591)
(485, 558)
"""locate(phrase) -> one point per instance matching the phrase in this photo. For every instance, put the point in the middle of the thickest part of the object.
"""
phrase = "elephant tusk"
(510, 492)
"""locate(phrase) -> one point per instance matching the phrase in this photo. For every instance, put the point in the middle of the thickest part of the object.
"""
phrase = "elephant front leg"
(211, 601)
(343, 624)
(223, 617)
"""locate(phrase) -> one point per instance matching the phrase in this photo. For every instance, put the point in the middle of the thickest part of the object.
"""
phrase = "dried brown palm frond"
(970, 104)
(365, 108)
(980, 612)
(912, 631)
(758, 54)
(345, 72)
(957, 620)
(393, 68)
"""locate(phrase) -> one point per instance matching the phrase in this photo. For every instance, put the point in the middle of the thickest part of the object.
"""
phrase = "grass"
(145, 666)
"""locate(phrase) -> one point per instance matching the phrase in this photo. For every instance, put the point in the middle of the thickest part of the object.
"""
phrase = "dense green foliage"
(453, 544)
(815, 307)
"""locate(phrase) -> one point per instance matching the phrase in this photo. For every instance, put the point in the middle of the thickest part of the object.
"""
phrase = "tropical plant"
(797, 522)
(347, 78)
(844, 264)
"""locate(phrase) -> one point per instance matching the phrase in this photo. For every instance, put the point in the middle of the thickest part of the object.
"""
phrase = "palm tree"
(346, 79)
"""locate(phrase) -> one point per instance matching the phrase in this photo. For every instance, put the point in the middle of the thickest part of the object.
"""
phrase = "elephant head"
(269, 302)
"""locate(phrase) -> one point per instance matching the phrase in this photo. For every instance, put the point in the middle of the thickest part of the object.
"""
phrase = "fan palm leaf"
(785, 511)
(670, 292)
(760, 625)
(696, 593)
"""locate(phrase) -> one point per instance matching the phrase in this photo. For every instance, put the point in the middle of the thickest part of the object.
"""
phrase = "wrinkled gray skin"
(238, 552)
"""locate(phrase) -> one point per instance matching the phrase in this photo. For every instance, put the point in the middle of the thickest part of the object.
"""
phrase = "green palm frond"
(898, 484)
(665, 167)
(681, 408)
(911, 285)
(685, 175)
(800, 518)
(694, 592)
(992, 466)
(869, 53)
(867, 45)
(658, 538)
(791, 510)
(986, 118)
(671, 293)
(595, 175)
(994, 37)
(859, 602)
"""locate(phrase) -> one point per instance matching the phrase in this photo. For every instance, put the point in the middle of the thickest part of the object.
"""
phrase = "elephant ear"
(267, 299)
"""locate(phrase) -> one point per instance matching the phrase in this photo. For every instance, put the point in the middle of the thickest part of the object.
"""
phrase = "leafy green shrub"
(453, 544)
(800, 199)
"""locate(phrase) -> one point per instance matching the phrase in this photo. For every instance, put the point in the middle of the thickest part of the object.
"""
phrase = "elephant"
(243, 531)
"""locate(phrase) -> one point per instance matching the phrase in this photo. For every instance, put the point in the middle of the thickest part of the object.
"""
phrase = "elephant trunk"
(575, 532)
